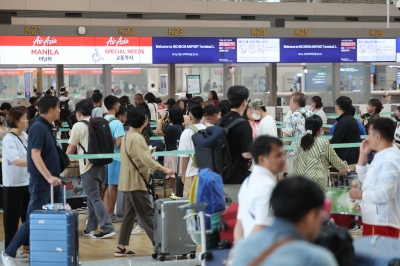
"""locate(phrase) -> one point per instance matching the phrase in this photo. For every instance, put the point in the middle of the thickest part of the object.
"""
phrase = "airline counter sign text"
(75, 50)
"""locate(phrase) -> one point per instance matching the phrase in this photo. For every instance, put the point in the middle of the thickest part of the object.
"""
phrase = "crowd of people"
(257, 155)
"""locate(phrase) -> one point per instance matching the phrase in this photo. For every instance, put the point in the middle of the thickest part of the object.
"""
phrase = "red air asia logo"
(43, 42)
(116, 42)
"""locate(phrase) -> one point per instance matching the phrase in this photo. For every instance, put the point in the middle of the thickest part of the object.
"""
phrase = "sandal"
(123, 252)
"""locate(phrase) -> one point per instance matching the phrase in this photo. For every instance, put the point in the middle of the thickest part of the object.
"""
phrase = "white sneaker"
(138, 230)
(172, 194)
(7, 260)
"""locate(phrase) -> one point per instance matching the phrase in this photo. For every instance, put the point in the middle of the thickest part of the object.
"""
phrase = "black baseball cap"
(170, 102)
(158, 100)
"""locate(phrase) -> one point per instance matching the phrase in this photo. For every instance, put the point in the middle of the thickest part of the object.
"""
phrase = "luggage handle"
(64, 192)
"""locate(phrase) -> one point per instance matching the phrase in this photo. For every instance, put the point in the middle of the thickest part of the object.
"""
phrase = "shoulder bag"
(149, 187)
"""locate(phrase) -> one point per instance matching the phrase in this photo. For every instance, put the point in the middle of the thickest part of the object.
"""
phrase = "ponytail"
(313, 125)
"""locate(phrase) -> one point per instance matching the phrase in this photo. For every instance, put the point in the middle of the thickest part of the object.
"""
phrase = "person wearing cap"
(169, 103)
(64, 97)
(160, 103)
(267, 124)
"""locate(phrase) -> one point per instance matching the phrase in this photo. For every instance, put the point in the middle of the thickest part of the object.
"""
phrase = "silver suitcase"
(170, 232)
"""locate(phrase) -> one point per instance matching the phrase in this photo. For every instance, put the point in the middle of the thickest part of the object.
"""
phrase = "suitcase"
(227, 226)
(54, 237)
(170, 231)
(377, 251)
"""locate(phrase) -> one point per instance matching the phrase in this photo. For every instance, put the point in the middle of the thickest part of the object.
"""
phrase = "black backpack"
(65, 112)
(213, 151)
(100, 140)
(339, 242)
(71, 120)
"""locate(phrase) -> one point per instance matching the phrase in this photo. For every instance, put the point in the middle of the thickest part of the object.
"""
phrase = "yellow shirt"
(129, 177)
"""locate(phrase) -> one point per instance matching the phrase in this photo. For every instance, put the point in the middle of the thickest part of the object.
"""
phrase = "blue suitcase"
(376, 251)
(54, 237)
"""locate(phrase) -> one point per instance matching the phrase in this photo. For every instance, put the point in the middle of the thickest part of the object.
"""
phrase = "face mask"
(255, 117)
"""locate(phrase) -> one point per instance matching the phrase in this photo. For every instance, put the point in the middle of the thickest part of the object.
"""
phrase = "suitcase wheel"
(207, 256)
(222, 227)
(192, 255)
(154, 255)
(184, 255)
(162, 258)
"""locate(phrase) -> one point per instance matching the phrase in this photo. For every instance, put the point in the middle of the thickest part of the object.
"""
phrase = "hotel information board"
(192, 50)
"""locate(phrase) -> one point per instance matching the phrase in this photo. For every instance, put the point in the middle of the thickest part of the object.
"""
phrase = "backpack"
(339, 242)
(65, 112)
(212, 149)
(71, 120)
(100, 140)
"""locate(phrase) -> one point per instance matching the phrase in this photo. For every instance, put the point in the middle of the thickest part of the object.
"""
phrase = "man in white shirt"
(267, 124)
(254, 212)
(380, 191)
(64, 97)
(189, 171)
(97, 99)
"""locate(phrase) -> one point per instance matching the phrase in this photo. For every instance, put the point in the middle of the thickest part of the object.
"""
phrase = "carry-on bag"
(227, 226)
(54, 235)
(170, 234)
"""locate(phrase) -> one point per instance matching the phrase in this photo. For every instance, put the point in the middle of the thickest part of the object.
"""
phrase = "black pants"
(16, 201)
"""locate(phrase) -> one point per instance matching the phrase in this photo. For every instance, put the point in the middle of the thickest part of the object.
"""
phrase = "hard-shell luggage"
(227, 226)
(170, 233)
(54, 237)
(377, 251)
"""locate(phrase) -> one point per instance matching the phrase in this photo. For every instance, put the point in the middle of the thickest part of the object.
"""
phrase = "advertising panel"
(376, 50)
(257, 50)
(193, 84)
(75, 50)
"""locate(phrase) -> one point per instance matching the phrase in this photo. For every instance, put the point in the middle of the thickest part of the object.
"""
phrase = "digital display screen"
(376, 50)
(348, 50)
(120, 50)
(257, 50)
(310, 50)
(315, 81)
(193, 84)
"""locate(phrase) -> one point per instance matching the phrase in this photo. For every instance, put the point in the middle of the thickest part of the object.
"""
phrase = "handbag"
(150, 187)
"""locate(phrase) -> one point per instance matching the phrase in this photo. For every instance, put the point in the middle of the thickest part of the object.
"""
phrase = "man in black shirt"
(346, 131)
(32, 109)
(239, 138)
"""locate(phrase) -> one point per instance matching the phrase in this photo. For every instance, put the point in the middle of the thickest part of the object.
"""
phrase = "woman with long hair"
(374, 107)
(314, 155)
(213, 97)
(223, 108)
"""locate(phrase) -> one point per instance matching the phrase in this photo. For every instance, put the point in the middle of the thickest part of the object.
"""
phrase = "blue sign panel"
(167, 50)
(309, 50)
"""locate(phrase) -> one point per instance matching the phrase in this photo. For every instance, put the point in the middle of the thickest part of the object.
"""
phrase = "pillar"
(107, 80)
(335, 82)
(272, 74)
(366, 89)
(171, 81)
(227, 81)
(59, 78)
(39, 79)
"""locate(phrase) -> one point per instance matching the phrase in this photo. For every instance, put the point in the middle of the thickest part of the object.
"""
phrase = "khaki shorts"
(187, 185)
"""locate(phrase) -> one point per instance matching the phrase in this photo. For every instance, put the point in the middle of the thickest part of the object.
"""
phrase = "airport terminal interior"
(325, 48)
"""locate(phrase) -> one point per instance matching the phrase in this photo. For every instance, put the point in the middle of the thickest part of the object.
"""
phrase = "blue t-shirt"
(41, 137)
(362, 129)
(117, 130)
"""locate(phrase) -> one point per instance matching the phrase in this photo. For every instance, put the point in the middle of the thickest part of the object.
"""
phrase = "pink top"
(254, 126)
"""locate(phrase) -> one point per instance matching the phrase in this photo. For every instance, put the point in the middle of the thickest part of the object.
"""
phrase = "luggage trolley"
(337, 191)
(196, 227)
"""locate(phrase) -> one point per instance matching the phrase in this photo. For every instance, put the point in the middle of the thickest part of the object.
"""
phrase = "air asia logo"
(115, 42)
(40, 41)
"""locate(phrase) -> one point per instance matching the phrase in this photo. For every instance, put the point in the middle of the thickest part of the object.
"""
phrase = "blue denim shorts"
(112, 175)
